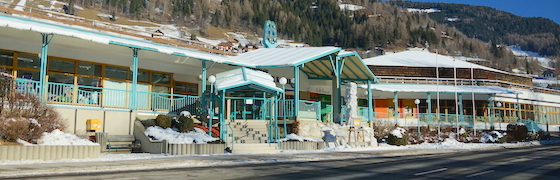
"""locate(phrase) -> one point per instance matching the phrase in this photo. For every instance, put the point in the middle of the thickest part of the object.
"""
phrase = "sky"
(525, 8)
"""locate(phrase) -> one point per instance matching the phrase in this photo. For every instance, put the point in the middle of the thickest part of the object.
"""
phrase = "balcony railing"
(88, 96)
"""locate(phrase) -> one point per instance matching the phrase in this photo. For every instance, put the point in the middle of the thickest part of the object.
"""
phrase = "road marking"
(429, 172)
(480, 173)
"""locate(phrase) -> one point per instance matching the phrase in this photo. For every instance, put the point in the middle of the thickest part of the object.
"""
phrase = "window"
(143, 76)
(160, 89)
(28, 61)
(180, 87)
(6, 58)
(61, 78)
(116, 72)
(86, 81)
(89, 69)
(29, 75)
(61, 65)
(161, 78)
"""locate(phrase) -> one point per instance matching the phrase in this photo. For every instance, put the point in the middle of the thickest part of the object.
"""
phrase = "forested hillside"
(326, 22)
(492, 25)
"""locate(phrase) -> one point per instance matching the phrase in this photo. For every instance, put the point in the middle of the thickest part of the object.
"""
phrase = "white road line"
(480, 173)
(429, 172)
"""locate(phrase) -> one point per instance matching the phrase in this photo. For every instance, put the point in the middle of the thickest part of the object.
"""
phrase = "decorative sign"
(270, 38)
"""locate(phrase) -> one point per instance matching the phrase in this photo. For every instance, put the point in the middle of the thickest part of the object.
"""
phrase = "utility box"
(93, 124)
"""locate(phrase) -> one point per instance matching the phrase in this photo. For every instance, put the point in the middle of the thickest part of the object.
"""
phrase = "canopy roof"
(245, 78)
(353, 69)
(424, 59)
(389, 87)
(264, 57)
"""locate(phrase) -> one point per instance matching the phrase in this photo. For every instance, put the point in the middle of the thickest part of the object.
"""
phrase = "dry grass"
(214, 32)
(3, 142)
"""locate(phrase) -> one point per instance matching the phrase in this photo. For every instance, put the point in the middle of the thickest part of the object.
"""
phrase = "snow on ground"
(174, 137)
(350, 7)
(20, 5)
(299, 138)
(544, 61)
(430, 10)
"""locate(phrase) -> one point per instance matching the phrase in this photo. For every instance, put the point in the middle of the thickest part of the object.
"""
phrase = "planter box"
(13, 152)
(299, 145)
(186, 149)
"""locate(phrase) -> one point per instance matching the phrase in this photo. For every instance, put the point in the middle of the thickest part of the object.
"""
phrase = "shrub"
(23, 115)
(185, 124)
(398, 137)
(516, 132)
(163, 121)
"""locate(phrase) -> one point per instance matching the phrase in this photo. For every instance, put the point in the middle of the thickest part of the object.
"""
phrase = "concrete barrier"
(302, 145)
(186, 149)
(18, 152)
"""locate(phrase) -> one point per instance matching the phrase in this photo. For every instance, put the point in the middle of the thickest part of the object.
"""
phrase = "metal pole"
(418, 116)
(518, 108)
(46, 39)
(210, 110)
(133, 99)
(396, 108)
(370, 101)
(296, 91)
(284, 109)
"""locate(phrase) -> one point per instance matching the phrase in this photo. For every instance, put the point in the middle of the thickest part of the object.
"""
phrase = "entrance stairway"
(251, 137)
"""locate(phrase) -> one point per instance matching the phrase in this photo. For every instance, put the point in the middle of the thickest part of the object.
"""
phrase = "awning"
(353, 69)
(433, 88)
(244, 78)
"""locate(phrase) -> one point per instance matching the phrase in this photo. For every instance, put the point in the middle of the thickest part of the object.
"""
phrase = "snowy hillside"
(543, 61)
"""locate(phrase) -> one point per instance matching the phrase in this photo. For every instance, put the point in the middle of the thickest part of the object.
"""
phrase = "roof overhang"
(353, 68)
(433, 88)
(244, 78)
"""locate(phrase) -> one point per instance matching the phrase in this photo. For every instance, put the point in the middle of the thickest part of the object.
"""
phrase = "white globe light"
(498, 104)
(283, 80)
(417, 101)
(212, 79)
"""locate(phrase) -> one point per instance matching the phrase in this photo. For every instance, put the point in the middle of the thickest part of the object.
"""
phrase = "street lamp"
(283, 82)
(498, 105)
(417, 102)
(211, 80)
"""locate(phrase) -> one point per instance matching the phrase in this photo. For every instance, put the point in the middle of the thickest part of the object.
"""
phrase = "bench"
(122, 142)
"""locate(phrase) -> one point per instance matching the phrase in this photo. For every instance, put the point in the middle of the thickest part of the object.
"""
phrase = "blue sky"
(526, 8)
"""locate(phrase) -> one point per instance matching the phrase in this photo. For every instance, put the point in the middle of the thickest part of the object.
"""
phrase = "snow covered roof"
(423, 59)
(389, 87)
(264, 57)
(242, 78)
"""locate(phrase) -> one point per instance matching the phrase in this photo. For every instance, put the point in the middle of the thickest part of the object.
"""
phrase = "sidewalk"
(115, 162)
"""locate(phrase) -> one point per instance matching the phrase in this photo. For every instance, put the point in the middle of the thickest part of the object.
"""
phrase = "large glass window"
(143, 76)
(86, 81)
(61, 78)
(28, 61)
(89, 69)
(180, 87)
(161, 78)
(61, 65)
(29, 75)
(115, 72)
(6, 58)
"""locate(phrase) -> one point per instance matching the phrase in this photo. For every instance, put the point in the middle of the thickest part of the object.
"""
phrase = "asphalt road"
(539, 162)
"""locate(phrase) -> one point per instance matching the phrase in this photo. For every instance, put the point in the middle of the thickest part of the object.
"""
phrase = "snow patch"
(199, 136)
(299, 138)
(58, 137)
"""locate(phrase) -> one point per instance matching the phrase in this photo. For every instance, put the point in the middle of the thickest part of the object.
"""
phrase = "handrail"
(424, 80)
(232, 135)
(276, 133)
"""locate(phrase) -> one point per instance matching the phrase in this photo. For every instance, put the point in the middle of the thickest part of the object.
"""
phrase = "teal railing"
(78, 95)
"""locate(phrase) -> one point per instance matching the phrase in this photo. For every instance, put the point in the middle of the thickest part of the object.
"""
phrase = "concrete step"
(255, 148)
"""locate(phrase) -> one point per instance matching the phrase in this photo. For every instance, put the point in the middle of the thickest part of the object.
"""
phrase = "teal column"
(396, 108)
(518, 108)
(133, 94)
(369, 101)
(203, 77)
(296, 92)
(460, 104)
(429, 104)
(222, 115)
(46, 39)
(335, 97)
(491, 107)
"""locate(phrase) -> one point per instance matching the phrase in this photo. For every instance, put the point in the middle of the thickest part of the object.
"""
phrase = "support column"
(429, 104)
(296, 92)
(518, 108)
(491, 107)
(335, 98)
(396, 108)
(460, 96)
(222, 115)
(370, 101)
(46, 39)
(133, 95)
